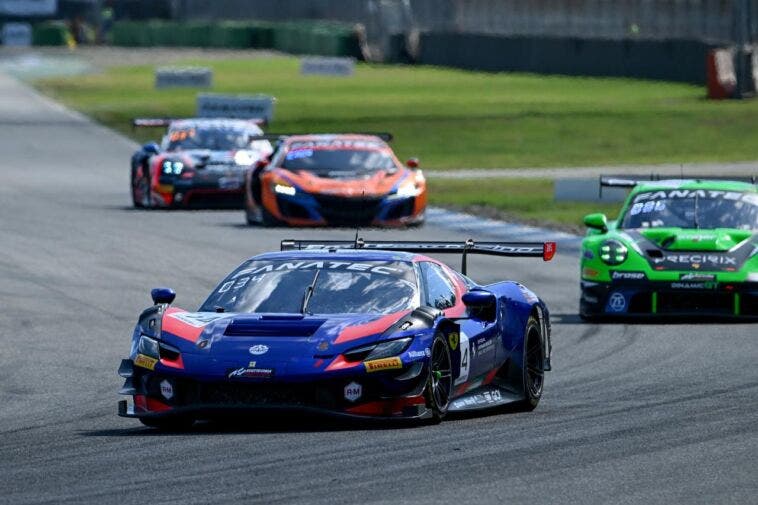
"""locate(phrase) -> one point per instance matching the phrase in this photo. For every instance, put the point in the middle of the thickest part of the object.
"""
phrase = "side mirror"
(481, 304)
(162, 295)
(151, 147)
(412, 163)
(596, 221)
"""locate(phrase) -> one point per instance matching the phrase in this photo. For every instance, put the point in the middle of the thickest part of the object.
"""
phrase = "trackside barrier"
(183, 77)
(325, 38)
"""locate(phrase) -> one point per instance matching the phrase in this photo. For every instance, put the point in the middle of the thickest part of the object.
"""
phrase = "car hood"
(678, 239)
(344, 184)
(283, 334)
(206, 158)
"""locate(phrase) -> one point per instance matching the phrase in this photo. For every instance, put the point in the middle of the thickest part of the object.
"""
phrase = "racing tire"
(439, 386)
(147, 199)
(135, 201)
(533, 366)
(269, 220)
(174, 423)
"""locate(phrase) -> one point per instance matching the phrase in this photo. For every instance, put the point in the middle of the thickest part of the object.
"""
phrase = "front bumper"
(669, 299)
(326, 210)
(159, 394)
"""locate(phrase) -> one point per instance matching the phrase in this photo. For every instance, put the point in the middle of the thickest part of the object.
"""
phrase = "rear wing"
(165, 122)
(628, 181)
(544, 250)
(385, 136)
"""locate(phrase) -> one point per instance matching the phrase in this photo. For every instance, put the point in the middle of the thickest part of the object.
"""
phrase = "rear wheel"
(533, 367)
(440, 383)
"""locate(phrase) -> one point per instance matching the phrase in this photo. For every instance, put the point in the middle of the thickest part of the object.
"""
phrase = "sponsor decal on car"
(697, 276)
(251, 373)
(380, 365)
(453, 339)
(145, 361)
(694, 285)
(353, 392)
(196, 319)
(257, 350)
(490, 397)
(420, 354)
(483, 346)
(167, 390)
(616, 302)
(627, 276)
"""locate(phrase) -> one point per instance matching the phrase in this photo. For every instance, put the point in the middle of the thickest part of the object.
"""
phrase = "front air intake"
(273, 326)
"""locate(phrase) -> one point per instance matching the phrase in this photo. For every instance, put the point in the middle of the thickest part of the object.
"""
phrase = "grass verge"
(453, 118)
(525, 200)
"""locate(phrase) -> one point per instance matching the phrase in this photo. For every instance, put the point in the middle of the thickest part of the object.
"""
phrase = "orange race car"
(335, 179)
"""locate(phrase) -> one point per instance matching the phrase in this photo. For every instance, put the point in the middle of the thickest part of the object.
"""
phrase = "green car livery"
(678, 248)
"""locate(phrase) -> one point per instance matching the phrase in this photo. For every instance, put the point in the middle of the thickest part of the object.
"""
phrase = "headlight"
(407, 190)
(285, 189)
(148, 346)
(613, 252)
(172, 167)
(389, 348)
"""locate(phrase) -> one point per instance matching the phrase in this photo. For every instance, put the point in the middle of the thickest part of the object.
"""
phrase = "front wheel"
(533, 367)
(440, 382)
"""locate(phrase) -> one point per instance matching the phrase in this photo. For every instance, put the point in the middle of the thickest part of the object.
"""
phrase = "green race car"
(678, 248)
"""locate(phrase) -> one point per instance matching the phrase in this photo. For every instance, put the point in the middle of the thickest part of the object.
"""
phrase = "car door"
(477, 340)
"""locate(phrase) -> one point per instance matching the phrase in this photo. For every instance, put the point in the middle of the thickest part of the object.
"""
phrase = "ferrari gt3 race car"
(678, 248)
(362, 329)
(335, 179)
(200, 162)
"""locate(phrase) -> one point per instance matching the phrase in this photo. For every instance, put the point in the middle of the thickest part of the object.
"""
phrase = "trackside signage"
(339, 67)
(16, 34)
(183, 77)
(28, 7)
(236, 106)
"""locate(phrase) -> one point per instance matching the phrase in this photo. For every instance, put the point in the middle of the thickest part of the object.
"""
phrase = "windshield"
(338, 287)
(328, 161)
(693, 209)
(215, 139)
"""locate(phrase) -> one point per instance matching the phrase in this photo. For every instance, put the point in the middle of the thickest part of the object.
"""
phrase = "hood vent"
(273, 327)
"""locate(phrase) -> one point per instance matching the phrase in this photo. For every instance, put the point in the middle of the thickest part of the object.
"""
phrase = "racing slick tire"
(174, 423)
(439, 386)
(146, 202)
(135, 201)
(269, 220)
(533, 366)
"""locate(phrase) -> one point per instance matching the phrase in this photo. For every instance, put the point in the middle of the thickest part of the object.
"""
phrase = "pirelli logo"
(145, 361)
(380, 365)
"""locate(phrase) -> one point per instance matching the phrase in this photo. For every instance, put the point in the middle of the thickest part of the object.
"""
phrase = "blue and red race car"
(367, 329)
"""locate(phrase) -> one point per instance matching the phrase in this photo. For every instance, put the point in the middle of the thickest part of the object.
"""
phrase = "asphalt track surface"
(631, 414)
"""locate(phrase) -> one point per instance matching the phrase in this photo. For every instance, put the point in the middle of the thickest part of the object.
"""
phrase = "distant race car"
(335, 179)
(679, 247)
(364, 329)
(200, 162)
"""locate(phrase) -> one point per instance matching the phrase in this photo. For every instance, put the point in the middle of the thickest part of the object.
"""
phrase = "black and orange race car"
(200, 162)
(337, 180)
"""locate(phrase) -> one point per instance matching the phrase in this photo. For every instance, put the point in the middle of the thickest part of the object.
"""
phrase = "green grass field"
(452, 118)
(529, 200)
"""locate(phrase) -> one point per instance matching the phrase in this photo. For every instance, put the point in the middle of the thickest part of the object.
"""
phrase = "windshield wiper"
(309, 293)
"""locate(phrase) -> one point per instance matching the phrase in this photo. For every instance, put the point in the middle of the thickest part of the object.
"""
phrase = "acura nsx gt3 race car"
(335, 179)
(200, 162)
(362, 329)
(679, 247)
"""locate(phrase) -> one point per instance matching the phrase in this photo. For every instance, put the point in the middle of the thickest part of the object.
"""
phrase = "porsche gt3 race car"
(363, 329)
(200, 162)
(335, 179)
(678, 248)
